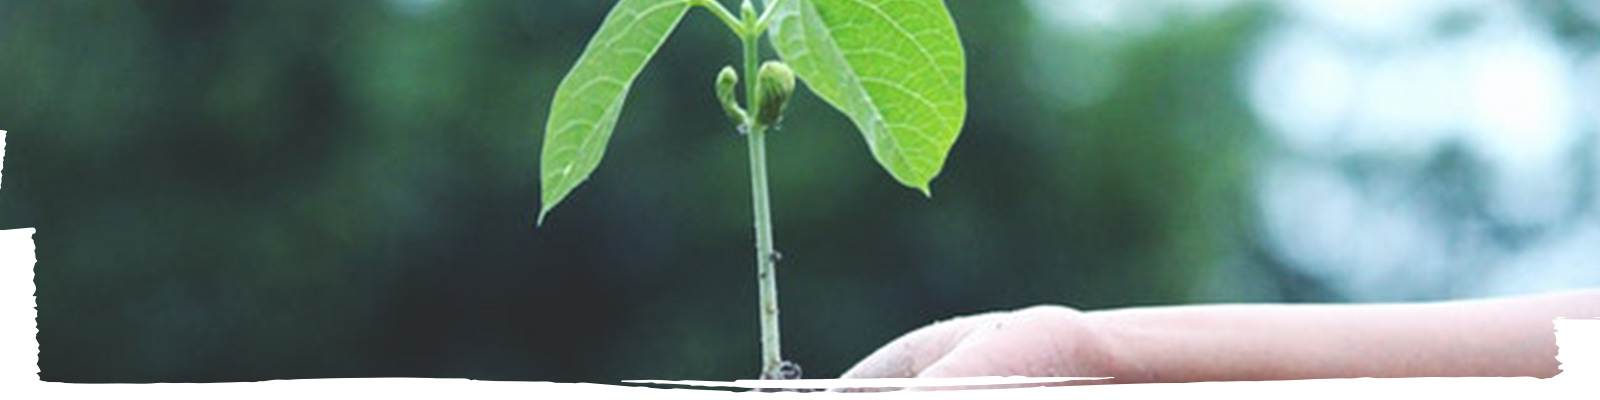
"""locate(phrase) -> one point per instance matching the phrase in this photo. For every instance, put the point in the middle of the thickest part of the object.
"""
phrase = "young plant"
(896, 68)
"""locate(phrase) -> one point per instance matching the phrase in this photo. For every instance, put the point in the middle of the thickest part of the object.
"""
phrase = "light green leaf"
(590, 98)
(895, 67)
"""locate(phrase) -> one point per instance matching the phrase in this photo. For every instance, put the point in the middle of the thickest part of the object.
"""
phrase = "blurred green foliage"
(233, 190)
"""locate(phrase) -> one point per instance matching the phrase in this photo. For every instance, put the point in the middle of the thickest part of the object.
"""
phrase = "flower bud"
(775, 84)
(748, 11)
(727, 85)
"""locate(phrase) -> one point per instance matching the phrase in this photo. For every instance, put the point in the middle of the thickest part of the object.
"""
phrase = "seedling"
(896, 68)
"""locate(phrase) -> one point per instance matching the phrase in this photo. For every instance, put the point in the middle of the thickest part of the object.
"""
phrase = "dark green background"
(250, 190)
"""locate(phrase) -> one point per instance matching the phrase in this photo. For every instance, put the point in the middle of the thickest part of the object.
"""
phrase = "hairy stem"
(766, 256)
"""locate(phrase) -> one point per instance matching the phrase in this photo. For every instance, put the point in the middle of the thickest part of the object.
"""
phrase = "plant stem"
(766, 16)
(766, 257)
(722, 13)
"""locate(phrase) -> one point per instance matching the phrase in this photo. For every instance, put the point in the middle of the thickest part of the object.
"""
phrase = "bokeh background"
(250, 190)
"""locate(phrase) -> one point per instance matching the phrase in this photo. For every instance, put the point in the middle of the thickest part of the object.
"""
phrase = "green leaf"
(895, 67)
(590, 98)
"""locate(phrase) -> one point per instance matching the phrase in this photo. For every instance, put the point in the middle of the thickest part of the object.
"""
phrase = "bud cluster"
(775, 84)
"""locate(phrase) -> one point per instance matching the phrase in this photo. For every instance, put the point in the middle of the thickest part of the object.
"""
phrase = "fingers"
(1039, 342)
(981, 358)
(908, 355)
(988, 350)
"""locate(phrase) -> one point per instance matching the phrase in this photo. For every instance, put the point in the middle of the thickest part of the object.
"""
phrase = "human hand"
(1041, 341)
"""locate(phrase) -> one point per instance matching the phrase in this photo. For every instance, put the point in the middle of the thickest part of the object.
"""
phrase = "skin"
(1504, 337)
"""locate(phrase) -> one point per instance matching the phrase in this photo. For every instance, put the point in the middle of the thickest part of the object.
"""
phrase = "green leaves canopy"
(896, 68)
